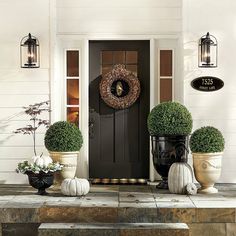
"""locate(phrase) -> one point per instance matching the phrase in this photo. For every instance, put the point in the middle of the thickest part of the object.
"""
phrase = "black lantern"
(29, 50)
(207, 51)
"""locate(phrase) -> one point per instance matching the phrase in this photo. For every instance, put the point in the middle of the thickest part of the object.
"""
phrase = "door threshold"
(119, 181)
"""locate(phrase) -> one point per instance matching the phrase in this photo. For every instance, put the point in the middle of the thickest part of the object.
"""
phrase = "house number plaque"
(207, 84)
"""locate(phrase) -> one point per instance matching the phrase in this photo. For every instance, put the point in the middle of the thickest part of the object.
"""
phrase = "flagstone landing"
(205, 215)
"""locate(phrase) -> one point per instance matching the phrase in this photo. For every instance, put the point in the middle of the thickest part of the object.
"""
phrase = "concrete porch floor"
(204, 214)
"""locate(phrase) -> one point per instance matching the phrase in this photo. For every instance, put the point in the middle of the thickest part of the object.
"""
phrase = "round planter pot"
(167, 150)
(69, 162)
(207, 170)
(40, 181)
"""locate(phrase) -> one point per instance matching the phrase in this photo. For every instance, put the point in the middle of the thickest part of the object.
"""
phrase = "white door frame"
(81, 42)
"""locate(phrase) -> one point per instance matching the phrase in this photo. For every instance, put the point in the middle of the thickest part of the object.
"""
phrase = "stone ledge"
(128, 229)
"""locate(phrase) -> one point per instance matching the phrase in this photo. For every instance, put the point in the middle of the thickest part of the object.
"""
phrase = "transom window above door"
(72, 83)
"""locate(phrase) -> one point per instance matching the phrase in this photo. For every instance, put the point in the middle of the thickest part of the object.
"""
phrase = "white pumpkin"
(180, 174)
(42, 161)
(75, 187)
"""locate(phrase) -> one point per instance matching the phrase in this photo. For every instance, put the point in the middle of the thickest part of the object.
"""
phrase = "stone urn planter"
(169, 125)
(63, 141)
(207, 145)
(69, 162)
(207, 170)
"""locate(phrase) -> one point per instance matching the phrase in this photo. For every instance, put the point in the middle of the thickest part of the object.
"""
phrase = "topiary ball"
(206, 140)
(63, 136)
(170, 118)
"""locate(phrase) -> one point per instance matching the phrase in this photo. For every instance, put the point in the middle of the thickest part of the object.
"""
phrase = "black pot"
(165, 151)
(40, 181)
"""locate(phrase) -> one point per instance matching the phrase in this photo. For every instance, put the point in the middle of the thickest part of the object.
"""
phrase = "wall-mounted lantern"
(29, 52)
(207, 51)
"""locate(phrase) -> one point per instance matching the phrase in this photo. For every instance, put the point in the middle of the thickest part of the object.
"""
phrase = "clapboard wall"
(20, 87)
(216, 108)
(119, 17)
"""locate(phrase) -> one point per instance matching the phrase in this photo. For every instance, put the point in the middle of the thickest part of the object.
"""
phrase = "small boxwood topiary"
(63, 136)
(170, 118)
(206, 140)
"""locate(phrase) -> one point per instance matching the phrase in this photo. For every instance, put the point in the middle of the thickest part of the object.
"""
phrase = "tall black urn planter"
(165, 151)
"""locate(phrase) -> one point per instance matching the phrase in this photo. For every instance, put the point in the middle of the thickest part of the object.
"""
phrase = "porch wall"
(119, 17)
(214, 108)
(20, 87)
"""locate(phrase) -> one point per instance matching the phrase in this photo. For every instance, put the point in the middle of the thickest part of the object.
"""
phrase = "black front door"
(119, 139)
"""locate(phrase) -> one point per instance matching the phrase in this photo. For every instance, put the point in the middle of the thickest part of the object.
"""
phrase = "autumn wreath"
(119, 88)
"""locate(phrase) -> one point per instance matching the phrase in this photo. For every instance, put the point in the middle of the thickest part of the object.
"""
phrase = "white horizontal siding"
(21, 87)
(21, 100)
(26, 88)
(17, 140)
(119, 17)
(120, 3)
(11, 177)
(23, 75)
(212, 108)
(7, 127)
(10, 114)
(21, 153)
(106, 13)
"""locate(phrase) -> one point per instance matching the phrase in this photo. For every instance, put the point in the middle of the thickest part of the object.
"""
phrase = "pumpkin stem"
(41, 154)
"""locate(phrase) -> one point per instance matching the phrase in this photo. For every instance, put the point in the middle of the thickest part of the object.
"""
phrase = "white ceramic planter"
(207, 170)
(69, 162)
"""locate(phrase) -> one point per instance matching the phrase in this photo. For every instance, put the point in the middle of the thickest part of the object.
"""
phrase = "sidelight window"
(72, 86)
(165, 75)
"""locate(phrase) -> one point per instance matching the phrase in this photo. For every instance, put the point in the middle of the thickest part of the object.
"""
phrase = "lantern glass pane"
(29, 56)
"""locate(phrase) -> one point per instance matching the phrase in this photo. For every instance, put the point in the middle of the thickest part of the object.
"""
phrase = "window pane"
(132, 68)
(131, 57)
(165, 62)
(119, 57)
(106, 69)
(165, 90)
(72, 92)
(73, 115)
(72, 58)
(107, 57)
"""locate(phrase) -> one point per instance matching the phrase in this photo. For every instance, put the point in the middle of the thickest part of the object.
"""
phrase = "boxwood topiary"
(170, 118)
(63, 136)
(207, 139)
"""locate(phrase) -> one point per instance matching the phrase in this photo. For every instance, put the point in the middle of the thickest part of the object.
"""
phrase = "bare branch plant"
(34, 111)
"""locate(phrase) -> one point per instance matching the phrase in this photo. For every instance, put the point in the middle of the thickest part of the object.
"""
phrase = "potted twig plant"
(169, 125)
(207, 146)
(63, 141)
(41, 168)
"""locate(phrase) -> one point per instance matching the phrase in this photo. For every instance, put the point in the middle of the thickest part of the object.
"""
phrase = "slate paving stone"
(135, 188)
(215, 204)
(213, 229)
(136, 229)
(78, 214)
(19, 215)
(215, 215)
(175, 204)
(231, 229)
(136, 197)
(137, 212)
(176, 215)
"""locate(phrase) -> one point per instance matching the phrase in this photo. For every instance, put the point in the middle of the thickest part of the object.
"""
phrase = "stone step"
(119, 229)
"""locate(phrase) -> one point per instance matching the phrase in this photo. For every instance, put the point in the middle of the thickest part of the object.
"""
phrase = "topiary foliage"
(170, 118)
(207, 139)
(63, 136)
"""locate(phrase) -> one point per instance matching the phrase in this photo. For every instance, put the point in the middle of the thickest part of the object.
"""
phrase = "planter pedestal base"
(207, 190)
(163, 184)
